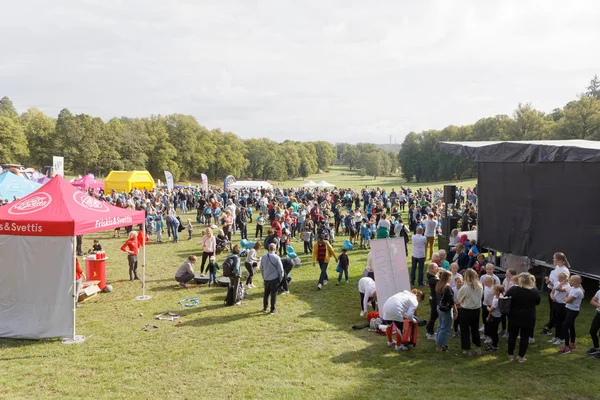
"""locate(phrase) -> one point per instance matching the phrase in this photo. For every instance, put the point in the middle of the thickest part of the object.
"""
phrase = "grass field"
(307, 351)
(342, 177)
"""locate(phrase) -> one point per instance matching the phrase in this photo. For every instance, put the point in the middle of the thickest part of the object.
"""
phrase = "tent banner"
(58, 165)
(390, 267)
(169, 180)
(204, 182)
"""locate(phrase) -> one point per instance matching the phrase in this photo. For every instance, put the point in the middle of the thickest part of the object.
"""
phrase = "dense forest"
(179, 144)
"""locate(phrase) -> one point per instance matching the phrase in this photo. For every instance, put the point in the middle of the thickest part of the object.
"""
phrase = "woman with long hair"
(469, 296)
(521, 318)
(445, 308)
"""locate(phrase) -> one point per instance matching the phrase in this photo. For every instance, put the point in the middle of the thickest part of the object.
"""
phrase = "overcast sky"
(314, 69)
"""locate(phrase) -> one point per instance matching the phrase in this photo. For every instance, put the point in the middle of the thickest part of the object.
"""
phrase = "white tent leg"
(143, 296)
(74, 339)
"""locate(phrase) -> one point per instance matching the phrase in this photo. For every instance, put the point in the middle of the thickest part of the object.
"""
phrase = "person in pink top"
(209, 245)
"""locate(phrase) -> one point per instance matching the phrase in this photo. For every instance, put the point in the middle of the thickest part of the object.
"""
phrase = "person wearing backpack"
(232, 270)
(271, 268)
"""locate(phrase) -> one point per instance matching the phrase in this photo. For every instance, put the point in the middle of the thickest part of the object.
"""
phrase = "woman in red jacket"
(131, 247)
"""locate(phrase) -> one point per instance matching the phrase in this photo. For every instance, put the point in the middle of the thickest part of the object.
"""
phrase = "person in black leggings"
(521, 319)
(595, 327)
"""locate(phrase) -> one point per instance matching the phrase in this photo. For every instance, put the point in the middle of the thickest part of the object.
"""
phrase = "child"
(488, 297)
(207, 215)
(559, 294)
(260, 221)
(489, 271)
(344, 263)
(573, 302)
(190, 229)
(458, 282)
(494, 318)
(307, 239)
(159, 228)
(365, 234)
(595, 350)
(455, 275)
(212, 269)
(479, 266)
(331, 233)
(507, 283)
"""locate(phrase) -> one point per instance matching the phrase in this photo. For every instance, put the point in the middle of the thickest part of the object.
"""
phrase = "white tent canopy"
(324, 184)
(308, 184)
(250, 185)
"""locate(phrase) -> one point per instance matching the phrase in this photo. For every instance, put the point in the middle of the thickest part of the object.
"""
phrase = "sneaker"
(505, 336)
(546, 331)
(521, 360)
(551, 341)
(531, 340)
(596, 356)
(478, 351)
(456, 335)
(482, 328)
(337, 284)
(565, 350)
(325, 282)
(502, 333)
(487, 341)
(285, 292)
(181, 284)
(362, 313)
(273, 312)
(264, 310)
(592, 351)
(491, 349)
(401, 348)
(390, 344)
(239, 303)
(431, 336)
(319, 286)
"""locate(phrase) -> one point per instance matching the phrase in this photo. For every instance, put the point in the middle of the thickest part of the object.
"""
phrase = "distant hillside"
(394, 148)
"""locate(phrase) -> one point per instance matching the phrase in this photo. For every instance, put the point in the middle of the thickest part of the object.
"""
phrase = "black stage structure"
(536, 198)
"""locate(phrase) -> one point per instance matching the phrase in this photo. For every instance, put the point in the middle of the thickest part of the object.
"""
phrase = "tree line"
(579, 119)
(176, 143)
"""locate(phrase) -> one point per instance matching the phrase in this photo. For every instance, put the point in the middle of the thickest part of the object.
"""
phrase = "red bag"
(410, 332)
(372, 314)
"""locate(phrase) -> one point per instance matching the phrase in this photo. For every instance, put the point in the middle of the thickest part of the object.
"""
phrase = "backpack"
(227, 266)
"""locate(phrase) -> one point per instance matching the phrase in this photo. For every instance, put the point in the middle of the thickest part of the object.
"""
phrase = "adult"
(277, 230)
(469, 297)
(234, 280)
(430, 228)
(228, 225)
(251, 263)
(368, 293)
(460, 257)
(445, 308)
(322, 252)
(368, 272)
(398, 307)
(209, 245)
(561, 264)
(185, 272)
(131, 247)
(521, 318)
(418, 256)
(241, 219)
(383, 227)
(272, 273)
(432, 281)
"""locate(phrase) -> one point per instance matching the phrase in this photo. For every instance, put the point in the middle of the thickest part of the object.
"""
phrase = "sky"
(342, 71)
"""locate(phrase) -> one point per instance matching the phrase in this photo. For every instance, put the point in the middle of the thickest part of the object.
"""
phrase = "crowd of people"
(465, 295)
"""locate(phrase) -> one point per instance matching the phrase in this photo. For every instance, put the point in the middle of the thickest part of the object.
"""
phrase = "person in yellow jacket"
(322, 252)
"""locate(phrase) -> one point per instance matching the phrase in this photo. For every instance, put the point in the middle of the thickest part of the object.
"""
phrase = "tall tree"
(7, 109)
(581, 120)
(13, 143)
(593, 89)
(409, 157)
(39, 130)
(325, 154)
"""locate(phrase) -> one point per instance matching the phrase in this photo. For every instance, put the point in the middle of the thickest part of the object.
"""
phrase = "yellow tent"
(124, 181)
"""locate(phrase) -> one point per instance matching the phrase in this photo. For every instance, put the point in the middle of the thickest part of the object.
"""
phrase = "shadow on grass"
(16, 343)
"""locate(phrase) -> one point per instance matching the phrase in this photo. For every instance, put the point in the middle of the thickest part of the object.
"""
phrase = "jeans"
(526, 332)
(250, 269)
(569, 326)
(270, 290)
(594, 328)
(343, 271)
(212, 277)
(421, 264)
(323, 266)
(185, 278)
(492, 329)
(433, 315)
(469, 328)
(175, 228)
(444, 327)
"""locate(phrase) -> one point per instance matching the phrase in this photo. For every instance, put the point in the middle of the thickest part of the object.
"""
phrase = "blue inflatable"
(347, 245)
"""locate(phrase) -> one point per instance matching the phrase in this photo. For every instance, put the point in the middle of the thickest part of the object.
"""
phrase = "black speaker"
(448, 225)
(449, 194)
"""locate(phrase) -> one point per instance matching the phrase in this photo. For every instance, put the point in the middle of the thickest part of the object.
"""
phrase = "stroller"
(222, 243)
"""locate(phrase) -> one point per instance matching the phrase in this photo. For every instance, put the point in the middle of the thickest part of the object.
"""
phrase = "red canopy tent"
(37, 256)
(88, 182)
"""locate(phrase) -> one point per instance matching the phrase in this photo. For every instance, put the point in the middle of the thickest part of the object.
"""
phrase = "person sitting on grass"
(398, 307)
(185, 272)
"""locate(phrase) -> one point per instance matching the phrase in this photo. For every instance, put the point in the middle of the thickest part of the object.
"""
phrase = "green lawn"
(307, 351)
(342, 177)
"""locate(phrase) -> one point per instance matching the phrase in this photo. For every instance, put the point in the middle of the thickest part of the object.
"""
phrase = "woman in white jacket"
(398, 307)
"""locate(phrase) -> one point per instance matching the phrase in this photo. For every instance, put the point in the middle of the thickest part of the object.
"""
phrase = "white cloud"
(339, 70)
